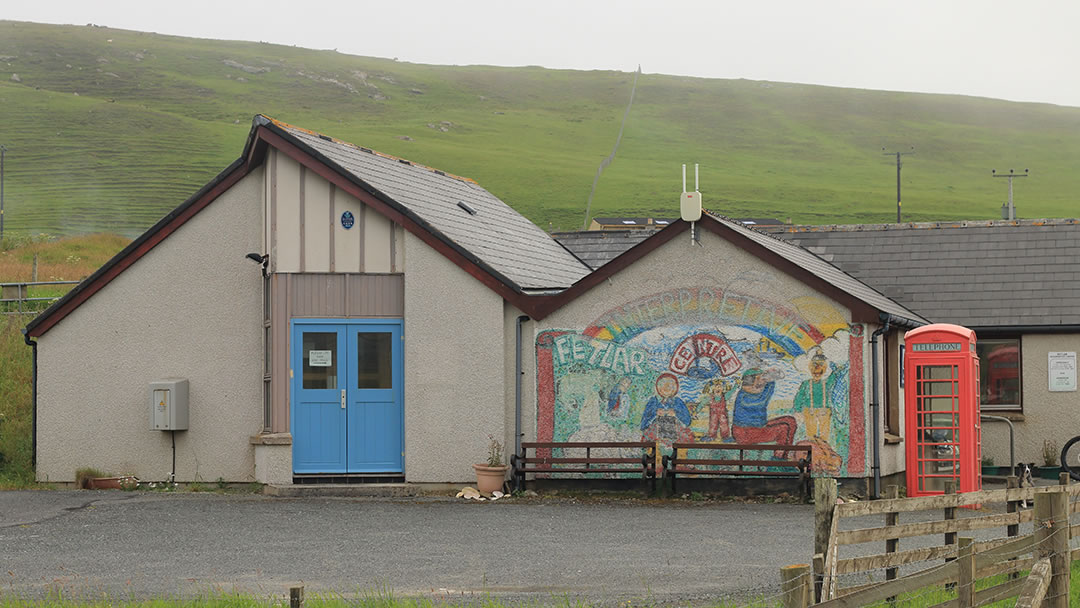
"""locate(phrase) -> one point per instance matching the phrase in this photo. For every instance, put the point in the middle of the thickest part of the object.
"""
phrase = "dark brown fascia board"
(396, 213)
(861, 312)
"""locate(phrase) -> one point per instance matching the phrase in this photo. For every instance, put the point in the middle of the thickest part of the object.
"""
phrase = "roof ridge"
(942, 225)
(285, 125)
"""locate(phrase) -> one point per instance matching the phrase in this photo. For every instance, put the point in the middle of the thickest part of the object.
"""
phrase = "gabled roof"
(486, 227)
(482, 235)
(866, 304)
(980, 274)
(598, 247)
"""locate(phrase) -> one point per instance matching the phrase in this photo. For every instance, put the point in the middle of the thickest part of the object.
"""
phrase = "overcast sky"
(1021, 51)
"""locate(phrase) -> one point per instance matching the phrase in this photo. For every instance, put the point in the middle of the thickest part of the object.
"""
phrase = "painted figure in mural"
(618, 399)
(751, 423)
(814, 398)
(666, 417)
(713, 394)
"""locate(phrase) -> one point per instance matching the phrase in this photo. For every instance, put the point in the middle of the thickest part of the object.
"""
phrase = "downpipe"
(875, 406)
(518, 372)
(33, 434)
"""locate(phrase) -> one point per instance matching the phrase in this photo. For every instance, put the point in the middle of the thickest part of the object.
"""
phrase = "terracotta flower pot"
(490, 479)
(111, 483)
(104, 483)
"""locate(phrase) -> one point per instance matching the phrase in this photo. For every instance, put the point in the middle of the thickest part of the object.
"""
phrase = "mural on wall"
(703, 364)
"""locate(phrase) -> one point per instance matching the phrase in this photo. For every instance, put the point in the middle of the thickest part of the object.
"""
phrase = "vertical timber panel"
(287, 234)
(361, 227)
(317, 193)
(303, 218)
(347, 240)
(280, 381)
(377, 243)
(333, 216)
(347, 295)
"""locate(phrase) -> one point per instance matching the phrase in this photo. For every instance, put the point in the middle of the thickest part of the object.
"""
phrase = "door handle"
(342, 398)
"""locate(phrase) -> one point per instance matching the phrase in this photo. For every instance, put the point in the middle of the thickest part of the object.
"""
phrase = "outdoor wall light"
(260, 258)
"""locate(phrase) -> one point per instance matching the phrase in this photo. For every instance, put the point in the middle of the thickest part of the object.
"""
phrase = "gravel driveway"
(132, 544)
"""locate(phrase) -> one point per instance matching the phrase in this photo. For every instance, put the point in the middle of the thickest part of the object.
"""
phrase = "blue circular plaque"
(347, 220)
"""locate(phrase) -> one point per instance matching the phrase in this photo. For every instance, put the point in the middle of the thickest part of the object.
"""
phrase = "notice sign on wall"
(1062, 369)
(320, 358)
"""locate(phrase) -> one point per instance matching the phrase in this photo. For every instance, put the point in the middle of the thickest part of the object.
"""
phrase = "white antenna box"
(690, 202)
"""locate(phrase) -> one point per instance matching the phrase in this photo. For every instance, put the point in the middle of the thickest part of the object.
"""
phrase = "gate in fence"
(16, 298)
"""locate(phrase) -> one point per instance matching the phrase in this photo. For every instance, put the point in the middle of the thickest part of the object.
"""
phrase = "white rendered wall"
(454, 368)
(191, 307)
(1047, 416)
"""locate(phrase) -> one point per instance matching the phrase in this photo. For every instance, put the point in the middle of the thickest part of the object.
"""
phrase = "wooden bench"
(542, 460)
(800, 469)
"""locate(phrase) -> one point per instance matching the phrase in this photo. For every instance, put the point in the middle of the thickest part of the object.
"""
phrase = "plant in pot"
(491, 475)
(1050, 468)
(93, 479)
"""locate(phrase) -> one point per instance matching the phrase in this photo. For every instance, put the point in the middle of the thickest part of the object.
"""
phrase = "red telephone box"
(941, 399)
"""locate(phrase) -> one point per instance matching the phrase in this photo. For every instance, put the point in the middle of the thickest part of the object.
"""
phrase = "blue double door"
(346, 405)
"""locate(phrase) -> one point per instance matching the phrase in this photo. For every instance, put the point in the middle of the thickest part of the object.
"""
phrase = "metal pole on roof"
(898, 165)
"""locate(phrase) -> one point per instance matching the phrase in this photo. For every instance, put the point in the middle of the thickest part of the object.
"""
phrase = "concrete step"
(371, 490)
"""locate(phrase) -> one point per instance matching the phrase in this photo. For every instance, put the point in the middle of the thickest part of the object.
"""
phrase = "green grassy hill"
(110, 129)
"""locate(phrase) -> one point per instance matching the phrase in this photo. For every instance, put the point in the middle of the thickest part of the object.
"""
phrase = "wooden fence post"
(950, 514)
(296, 596)
(824, 507)
(1012, 506)
(1052, 532)
(965, 587)
(819, 577)
(892, 518)
(795, 586)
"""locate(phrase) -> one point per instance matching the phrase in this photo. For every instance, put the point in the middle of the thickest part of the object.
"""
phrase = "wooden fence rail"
(965, 561)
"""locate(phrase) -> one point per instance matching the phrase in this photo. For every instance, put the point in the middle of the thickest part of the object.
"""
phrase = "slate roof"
(496, 235)
(593, 247)
(822, 269)
(984, 274)
(598, 247)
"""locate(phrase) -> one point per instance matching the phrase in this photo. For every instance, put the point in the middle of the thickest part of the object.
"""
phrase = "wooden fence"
(1045, 552)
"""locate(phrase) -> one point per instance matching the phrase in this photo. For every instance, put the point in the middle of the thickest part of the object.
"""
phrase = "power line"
(1011, 215)
(898, 165)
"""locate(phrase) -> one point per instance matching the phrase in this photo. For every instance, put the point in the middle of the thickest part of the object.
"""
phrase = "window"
(999, 373)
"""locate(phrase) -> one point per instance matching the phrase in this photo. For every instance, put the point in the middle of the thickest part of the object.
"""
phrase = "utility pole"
(1011, 215)
(898, 165)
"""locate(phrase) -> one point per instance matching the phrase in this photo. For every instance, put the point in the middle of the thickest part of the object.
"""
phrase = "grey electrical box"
(169, 404)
